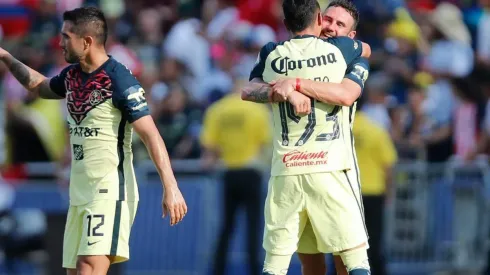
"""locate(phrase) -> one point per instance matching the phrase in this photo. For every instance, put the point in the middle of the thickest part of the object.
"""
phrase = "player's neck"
(308, 31)
(93, 61)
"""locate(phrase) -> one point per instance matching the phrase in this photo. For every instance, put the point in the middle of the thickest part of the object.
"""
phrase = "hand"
(173, 203)
(283, 87)
(300, 102)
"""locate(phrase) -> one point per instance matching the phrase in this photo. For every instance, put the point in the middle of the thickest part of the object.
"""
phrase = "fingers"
(164, 210)
(173, 216)
(177, 212)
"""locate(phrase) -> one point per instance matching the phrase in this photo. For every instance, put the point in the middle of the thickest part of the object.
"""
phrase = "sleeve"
(129, 96)
(259, 66)
(358, 71)
(57, 83)
(350, 49)
(209, 131)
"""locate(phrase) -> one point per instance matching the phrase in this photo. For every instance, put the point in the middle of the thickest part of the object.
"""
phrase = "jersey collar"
(303, 36)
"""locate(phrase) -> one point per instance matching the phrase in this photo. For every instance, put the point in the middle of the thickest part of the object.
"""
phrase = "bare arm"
(257, 91)
(173, 202)
(29, 78)
(366, 50)
(343, 94)
(147, 131)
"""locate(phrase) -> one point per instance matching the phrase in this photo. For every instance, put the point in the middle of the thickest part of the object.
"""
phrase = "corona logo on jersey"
(298, 158)
(282, 65)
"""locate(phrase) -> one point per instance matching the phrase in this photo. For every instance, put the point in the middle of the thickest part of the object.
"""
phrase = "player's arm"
(257, 90)
(134, 108)
(32, 80)
(343, 94)
(366, 50)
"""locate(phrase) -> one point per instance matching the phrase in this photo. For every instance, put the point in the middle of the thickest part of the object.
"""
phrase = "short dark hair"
(88, 20)
(349, 7)
(299, 14)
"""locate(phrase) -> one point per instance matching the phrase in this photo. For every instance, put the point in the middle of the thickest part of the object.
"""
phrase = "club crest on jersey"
(96, 97)
(282, 65)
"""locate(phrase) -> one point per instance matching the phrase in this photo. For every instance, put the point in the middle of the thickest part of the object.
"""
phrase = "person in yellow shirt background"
(376, 156)
(234, 137)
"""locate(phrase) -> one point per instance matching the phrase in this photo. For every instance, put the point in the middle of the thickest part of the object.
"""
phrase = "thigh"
(334, 207)
(107, 226)
(71, 238)
(284, 213)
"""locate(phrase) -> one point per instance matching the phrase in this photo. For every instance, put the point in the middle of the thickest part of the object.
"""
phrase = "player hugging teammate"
(314, 206)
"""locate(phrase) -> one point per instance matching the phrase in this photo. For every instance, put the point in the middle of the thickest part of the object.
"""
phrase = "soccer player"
(105, 103)
(340, 18)
(307, 188)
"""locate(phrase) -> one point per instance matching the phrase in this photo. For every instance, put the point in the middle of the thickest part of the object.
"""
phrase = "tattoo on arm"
(260, 94)
(26, 76)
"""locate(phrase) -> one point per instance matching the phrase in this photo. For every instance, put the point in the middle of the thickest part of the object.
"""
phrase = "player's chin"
(71, 59)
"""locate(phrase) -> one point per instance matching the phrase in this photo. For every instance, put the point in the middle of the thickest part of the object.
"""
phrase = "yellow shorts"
(100, 227)
(314, 213)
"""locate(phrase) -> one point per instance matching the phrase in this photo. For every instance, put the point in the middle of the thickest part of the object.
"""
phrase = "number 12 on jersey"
(286, 113)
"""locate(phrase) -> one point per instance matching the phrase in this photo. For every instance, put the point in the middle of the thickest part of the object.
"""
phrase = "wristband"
(298, 85)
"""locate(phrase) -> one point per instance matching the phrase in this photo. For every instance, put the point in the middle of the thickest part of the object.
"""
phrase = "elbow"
(348, 100)
(366, 51)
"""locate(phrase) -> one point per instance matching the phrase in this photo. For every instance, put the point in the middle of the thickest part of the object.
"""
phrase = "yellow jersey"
(375, 153)
(237, 129)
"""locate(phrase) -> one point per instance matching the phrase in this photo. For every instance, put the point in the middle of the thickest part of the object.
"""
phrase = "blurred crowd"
(429, 82)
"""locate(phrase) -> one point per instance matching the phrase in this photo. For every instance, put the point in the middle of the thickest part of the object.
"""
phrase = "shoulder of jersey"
(121, 75)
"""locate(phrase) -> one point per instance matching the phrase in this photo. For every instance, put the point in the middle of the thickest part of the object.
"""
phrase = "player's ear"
(319, 19)
(87, 41)
(352, 34)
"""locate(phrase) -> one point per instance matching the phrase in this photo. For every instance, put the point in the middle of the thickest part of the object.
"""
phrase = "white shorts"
(328, 205)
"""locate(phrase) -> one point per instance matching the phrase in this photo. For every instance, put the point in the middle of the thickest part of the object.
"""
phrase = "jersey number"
(286, 111)
(93, 231)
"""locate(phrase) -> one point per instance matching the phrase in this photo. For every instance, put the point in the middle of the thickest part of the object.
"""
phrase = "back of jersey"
(320, 141)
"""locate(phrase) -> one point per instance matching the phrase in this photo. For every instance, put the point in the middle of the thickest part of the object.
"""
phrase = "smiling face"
(337, 21)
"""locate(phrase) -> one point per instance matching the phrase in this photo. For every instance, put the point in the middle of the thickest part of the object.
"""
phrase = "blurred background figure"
(236, 133)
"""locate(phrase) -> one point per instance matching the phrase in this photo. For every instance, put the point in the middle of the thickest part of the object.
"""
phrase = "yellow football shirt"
(375, 153)
(237, 129)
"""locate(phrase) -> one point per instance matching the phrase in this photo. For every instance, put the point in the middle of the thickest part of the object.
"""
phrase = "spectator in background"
(483, 35)
(468, 116)
(450, 56)
(237, 132)
(376, 156)
(175, 122)
(481, 148)
(376, 106)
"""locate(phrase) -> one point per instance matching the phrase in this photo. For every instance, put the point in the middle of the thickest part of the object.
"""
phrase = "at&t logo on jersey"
(282, 65)
(297, 158)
